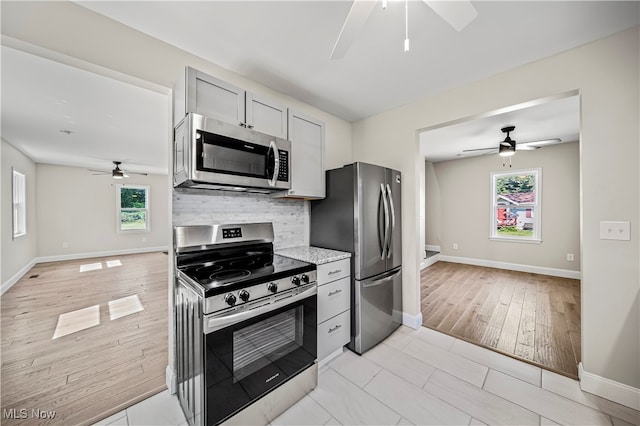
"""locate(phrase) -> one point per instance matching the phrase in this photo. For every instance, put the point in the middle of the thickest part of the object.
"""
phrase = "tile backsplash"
(290, 218)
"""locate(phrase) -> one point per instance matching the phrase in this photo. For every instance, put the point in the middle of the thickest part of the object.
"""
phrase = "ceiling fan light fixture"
(507, 147)
(507, 150)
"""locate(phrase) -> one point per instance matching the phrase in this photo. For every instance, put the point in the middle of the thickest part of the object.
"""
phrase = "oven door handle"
(217, 323)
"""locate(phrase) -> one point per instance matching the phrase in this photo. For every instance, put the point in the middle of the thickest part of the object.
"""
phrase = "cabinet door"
(211, 97)
(307, 157)
(266, 116)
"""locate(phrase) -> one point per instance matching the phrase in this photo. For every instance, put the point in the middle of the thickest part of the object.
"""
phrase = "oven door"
(250, 353)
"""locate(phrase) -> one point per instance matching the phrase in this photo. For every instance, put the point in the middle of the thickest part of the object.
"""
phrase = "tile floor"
(418, 377)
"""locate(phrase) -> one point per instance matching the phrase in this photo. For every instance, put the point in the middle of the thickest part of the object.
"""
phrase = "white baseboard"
(16, 277)
(431, 248)
(429, 261)
(609, 389)
(171, 379)
(564, 273)
(106, 253)
(413, 321)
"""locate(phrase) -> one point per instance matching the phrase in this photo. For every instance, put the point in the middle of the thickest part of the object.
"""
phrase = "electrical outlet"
(65, 245)
(570, 257)
(455, 246)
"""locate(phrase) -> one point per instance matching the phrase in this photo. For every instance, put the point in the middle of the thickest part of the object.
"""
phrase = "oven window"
(260, 344)
(226, 155)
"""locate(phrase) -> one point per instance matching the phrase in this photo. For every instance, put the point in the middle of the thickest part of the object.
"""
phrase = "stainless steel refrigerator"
(362, 214)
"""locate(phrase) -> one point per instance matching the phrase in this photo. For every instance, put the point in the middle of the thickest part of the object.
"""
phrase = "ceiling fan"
(116, 173)
(457, 13)
(508, 146)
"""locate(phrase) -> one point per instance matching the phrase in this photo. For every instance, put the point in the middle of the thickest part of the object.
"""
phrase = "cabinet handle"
(249, 126)
(331, 293)
(331, 330)
(334, 272)
(242, 124)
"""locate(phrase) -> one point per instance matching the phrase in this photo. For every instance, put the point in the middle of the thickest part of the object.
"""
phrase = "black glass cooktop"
(231, 268)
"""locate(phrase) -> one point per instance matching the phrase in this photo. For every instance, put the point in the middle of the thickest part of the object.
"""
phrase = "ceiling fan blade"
(357, 17)
(540, 143)
(523, 147)
(480, 149)
(458, 14)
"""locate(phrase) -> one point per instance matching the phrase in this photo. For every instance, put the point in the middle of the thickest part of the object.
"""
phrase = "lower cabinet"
(333, 334)
(334, 303)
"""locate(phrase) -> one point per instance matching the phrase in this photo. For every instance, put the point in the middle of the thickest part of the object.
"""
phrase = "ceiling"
(109, 120)
(286, 45)
(557, 118)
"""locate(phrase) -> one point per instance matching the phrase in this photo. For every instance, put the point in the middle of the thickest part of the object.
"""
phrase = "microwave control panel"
(283, 172)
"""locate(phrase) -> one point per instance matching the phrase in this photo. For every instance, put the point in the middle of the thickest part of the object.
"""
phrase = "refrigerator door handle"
(393, 222)
(385, 245)
(372, 282)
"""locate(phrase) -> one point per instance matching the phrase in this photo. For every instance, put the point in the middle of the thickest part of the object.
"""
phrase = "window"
(19, 204)
(515, 205)
(133, 208)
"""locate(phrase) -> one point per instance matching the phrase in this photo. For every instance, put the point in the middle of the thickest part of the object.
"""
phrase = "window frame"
(119, 209)
(536, 238)
(18, 203)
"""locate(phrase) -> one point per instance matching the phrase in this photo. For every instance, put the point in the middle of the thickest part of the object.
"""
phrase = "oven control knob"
(305, 278)
(244, 295)
(272, 287)
(230, 299)
(295, 280)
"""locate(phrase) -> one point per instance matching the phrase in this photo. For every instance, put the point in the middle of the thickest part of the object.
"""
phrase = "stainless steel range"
(245, 325)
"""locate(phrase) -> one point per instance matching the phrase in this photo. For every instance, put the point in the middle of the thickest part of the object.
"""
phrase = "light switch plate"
(615, 230)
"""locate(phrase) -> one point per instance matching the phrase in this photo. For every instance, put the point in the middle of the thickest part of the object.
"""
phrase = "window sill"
(517, 240)
(134, 231)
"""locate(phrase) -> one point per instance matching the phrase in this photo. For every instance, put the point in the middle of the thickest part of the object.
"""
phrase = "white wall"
(432, 209)
(463, 193)
(20, 253)
(78, 208)
(606, 73)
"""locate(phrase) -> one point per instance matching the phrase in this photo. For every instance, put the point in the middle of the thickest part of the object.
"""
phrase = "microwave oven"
(211, 154)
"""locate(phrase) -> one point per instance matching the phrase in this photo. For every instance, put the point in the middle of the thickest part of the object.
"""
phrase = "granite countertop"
(315, 255)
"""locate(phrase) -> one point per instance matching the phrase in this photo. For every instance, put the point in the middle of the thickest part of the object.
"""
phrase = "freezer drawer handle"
(331, 293)
(334, 272)
(331, 330)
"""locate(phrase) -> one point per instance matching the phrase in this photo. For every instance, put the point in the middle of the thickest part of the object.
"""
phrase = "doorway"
(506, 291)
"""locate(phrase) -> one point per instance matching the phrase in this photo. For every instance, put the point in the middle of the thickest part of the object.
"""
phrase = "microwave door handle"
(276, 163)
(393, 221)
(386, 220)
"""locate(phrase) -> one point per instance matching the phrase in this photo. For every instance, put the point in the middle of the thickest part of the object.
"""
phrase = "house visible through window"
(19, 204)
(133, 208)
(515, 211)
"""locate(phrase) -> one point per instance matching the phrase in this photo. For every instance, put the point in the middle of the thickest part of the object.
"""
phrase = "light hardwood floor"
(529, 316)
(89, 374)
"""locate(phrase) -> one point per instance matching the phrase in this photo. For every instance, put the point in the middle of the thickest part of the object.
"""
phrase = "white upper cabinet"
(307, 157)
(265, 115)
(203, 94)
